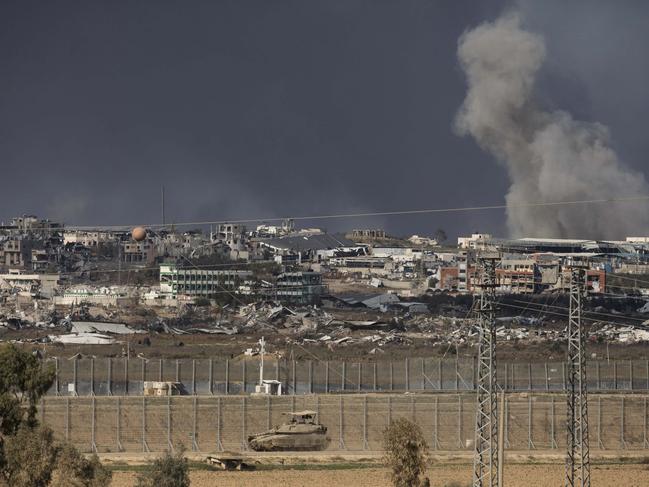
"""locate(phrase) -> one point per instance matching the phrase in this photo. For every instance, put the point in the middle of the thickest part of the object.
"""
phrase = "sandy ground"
(515, 476)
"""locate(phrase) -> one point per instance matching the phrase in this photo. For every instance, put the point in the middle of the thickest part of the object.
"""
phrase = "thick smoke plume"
(548, 155)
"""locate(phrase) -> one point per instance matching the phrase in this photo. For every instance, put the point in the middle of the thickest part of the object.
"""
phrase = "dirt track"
(515, 476)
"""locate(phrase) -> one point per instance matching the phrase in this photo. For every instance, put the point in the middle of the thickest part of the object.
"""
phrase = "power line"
(332, 216)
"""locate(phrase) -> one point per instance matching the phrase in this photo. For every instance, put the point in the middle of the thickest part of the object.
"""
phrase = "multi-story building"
(16, 252)
(143, 252)
(299, 287)
(176, 280)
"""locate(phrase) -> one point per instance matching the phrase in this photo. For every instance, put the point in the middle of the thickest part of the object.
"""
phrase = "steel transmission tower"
(578, 453)
(485, 459)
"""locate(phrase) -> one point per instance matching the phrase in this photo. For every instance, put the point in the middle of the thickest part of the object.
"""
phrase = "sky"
(265, 109)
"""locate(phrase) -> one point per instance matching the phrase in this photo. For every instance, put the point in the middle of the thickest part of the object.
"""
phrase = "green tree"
(28, 457)
(406, 452)
(166, 471)
(23, 380)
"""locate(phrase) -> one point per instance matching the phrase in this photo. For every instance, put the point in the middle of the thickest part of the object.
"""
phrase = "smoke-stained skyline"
(249, 109)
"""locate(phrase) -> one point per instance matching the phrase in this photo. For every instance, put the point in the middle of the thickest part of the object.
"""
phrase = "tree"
(166, 471)
(33, 458)
(23, 380)
(406, 452)
(29, 457)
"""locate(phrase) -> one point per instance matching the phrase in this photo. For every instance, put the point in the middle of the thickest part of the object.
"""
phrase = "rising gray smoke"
(548, 155)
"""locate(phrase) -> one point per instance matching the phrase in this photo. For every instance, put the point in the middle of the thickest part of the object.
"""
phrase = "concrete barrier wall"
(109, 376)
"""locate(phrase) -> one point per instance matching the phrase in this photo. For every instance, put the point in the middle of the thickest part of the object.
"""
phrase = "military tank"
(301, 432)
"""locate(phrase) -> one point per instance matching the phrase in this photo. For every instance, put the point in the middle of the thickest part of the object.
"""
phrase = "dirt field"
(515, 476)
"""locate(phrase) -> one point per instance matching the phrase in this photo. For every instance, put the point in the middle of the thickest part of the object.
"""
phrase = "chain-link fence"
(125, 377)
(354, 422)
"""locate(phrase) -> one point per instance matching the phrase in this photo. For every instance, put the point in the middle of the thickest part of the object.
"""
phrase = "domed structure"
(138, 234)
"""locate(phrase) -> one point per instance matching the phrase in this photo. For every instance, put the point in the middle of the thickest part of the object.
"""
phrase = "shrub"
(32, 458)
(29, 457)
(406, 451)
(75, 470)
(166, 471)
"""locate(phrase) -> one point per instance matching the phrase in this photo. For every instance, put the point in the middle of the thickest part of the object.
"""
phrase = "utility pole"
(578, 451)
(485, 458)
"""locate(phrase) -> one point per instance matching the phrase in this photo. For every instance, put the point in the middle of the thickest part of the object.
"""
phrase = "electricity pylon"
(578, 452)
(485, 458)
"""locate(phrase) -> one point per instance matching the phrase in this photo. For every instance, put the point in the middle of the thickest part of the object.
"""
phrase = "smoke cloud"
(548, 155)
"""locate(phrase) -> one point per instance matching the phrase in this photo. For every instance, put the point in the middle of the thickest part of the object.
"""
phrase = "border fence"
(208, 377)
(354, 422)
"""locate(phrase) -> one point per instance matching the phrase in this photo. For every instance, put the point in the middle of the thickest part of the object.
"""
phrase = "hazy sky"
(247, 109)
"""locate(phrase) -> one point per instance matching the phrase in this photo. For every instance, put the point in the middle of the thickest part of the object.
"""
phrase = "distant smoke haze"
(548, 155)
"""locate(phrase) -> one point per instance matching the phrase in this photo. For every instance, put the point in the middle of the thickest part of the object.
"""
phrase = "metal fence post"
(110, 377)
(439, 374)
(93, 444)
(553, 439)
(622, 440)
(219, 444)
(343, 376)
(457, 376)
(599, 375)
(341, 423)
(389, 410)
(194, 376)
(459, 422)
(360, 375)
(227, 376)
(365, 445)
(145, 447)
(118, 424)
(530, 443)
(244, 375)
(631, 374)
(374, 376)
(310, 376)
(244, 443)
(615, 374)
(177, 370)
(423, 374)
(194, 421)
(327, 376)
(599, 423)
(160, 368)
(74, 376)
(67, 418)
(294, 370)
(391, 375)
(436, 425)
(211, 377)
(407, 378)
(645, 442)
(56, 377)
(126, 377)
(529, 376)
(143, 373)
(169, 442)
(547, 377)
(92, 376)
